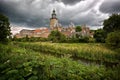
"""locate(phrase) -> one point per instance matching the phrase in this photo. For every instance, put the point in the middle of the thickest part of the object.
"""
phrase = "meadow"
(84, 51)
(58, 61)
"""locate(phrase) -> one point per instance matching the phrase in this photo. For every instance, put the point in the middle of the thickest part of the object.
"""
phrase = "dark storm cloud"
(110, 6)
(37, 13)
(71, 2)
(20, 16)
(88, 15)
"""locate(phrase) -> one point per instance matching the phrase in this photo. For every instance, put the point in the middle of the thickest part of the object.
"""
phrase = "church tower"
(53, 20)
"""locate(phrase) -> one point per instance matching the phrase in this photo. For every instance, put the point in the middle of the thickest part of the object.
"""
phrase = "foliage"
(100, 35)
(56, 36)
(72, 39)
(112, 23)
(25, 64)
(78, 28)
(91, 51)
(4, 29)
(84, 39)
(91, 40)
(113, 39)
(31, 39)
(79, 39)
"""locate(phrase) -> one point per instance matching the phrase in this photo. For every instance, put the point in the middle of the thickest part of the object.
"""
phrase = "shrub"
(100, 35)
(84, 40)
(113, 39)
(56, 36)
(91, 40)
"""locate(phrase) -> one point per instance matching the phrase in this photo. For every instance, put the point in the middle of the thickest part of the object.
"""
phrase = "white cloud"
(16, 29)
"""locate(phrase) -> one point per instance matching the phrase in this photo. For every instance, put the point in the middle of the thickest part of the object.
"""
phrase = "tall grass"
(86, 51)
(22, 63)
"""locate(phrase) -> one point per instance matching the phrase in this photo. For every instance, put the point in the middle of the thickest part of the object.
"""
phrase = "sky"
(33, 14)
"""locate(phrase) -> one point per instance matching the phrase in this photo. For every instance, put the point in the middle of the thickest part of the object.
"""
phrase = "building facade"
(41, 32)
(54, 25)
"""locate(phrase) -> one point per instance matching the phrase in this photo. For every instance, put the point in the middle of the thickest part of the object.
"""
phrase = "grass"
(27, 61)
(94, 52)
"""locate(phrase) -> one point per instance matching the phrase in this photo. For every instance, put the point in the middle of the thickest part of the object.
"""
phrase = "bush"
(100, 35)
(91, 40)
(113, 39)
(31, 39)
(56, 36)
(84, 39)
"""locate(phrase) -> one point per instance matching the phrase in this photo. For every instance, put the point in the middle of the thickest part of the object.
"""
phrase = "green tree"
(26, 38)
(100, 35)
(56, 36)
(4, 29)
(113, 39)
(78, 28)
(112, 23)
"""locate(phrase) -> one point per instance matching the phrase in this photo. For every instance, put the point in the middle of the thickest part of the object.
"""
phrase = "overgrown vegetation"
(95, 52)
(23, 63)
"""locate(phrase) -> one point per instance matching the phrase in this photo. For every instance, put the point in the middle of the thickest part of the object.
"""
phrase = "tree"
(100, 35)
(112, 23)
(113, 39)
(78, 28)
(56, 36)
(4, 29)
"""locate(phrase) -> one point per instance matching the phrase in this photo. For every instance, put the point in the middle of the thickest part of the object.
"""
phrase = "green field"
(58, 61)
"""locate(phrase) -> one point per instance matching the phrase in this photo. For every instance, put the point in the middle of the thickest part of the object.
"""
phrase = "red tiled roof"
(37, 30)
(40, 30)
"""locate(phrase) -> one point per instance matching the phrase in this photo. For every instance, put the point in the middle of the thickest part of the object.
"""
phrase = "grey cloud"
(82, 7)
(22, 12)
(36, 13)
(70, 2)
(90, 18)
(83, 15)
(110, 6)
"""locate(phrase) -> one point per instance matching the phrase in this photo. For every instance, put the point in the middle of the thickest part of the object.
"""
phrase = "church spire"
(54, 15)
